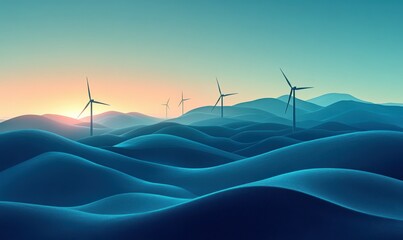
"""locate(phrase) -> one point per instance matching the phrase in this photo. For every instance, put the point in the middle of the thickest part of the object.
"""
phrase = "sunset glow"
(144, 52)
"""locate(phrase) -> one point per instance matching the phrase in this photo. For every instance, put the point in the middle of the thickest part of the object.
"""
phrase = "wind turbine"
(90, 102)
(292, 92)
(183, 100)
(166, 107)
(221, 97)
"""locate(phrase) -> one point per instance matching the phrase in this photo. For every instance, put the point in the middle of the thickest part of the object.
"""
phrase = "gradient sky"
(137, 54)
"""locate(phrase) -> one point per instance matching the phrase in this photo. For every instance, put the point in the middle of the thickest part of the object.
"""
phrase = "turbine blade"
(302, 88)
(229, 94)
(288, 103)
(89, 92)
(289, 84)
(216, 103)
(180, 102)
(186, 99)
(100, 103)
(219, 88)
(84, 109)
(168, 100)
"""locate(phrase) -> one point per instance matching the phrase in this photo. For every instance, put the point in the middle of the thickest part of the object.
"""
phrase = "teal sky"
(147, 51)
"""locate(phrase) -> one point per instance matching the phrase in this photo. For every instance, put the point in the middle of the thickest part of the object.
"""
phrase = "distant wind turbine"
(182, 102)
(292, 92)
(166, 107)
(221, 97)
(90, 102)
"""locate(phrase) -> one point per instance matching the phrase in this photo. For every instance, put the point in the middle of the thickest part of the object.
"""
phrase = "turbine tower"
(90, 102)
(182, 102)
(166, 108)
(292, 92)
(221, 97)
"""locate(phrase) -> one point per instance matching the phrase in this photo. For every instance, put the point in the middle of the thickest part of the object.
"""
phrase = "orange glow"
(63, 91)
(67, 95)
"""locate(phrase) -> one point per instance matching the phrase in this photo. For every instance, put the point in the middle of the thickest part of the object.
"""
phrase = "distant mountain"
(301, 104)
(206, 115)
(331, 98)
(47, 124)
(393, 104)
(88, 124)
(265, 110)
(113, 119)
(277, 106)
(141, 115)
(352, 112)
(63, 119)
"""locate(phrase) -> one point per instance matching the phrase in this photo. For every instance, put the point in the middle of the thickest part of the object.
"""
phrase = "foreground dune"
(177, 182)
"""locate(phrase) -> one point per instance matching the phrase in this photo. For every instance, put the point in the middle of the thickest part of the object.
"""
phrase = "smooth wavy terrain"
(251, 213)
(196, 135)
(267, 145)
(238, 179)
(175, 151)
(37, 122)
(60, 179)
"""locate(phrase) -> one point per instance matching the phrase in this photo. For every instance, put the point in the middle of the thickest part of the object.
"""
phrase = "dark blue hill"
(267, 145)
(175, 151)
(61, 179)
(196, 135)
(244, 213)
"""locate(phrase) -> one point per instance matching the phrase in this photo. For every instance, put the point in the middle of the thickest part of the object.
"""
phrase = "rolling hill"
(116, 120)
(47, 124)
(245, 176)
(331, 98)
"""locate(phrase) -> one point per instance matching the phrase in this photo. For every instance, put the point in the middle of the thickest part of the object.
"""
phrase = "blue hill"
(194, 134)
(329, 188)
(235, 214)
(376, 152)
(254, 136)
(336, 126)
(65, 180)
(44, 123)
(173, 150)
(301, 104)
(311, 134)
(36, 142)
(206, 117)
(350, 112)
(102, 140)
(267, 145)
(129, 203)
(357, 190)
(113, 119)
(331, 98)
(271, 105)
